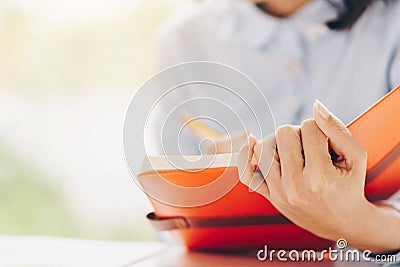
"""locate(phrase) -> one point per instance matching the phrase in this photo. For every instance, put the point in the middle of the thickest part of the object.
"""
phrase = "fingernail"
(251, 136)
(321, 109)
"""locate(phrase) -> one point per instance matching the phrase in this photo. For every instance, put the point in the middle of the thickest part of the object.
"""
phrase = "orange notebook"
(244, 220)
(378, 131)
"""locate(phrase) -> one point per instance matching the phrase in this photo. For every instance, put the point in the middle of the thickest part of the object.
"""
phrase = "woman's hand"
(319, 192)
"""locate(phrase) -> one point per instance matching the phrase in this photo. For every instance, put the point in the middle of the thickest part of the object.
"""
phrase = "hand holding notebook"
(241, 219)
(316, 191)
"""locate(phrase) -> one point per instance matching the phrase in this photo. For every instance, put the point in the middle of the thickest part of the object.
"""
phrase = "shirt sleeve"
(395, 263)
(393, 202)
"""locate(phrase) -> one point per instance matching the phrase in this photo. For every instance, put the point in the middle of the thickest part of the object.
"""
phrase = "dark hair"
(349, 13)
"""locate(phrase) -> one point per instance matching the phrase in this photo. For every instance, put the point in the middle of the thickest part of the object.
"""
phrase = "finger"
(290, 150)
(268, 164)
(267, 157)
(245, 166)
(341, 140)
(315, 145)
(258, 184)
(248, 176)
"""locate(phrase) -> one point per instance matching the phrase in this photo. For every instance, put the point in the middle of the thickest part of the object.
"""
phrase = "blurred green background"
(68, 70)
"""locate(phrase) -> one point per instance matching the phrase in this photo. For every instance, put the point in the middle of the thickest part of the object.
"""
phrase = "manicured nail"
(321, 109)
(251, 137)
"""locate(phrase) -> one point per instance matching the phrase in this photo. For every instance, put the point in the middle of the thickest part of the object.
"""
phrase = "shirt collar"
(245, 21)
(317, 12)
(255, 27)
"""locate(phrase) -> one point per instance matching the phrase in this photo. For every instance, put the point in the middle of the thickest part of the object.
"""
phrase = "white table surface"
(38, 251)
(41, 251)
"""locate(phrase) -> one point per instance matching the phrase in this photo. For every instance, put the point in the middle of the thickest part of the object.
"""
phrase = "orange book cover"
(378, 132)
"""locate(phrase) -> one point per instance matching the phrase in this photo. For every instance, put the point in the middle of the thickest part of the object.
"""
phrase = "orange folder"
(244, 220)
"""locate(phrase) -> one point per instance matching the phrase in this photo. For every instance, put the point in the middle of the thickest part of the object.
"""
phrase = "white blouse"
(293, 60)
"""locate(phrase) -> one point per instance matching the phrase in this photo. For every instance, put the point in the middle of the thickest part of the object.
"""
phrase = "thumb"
(341, 140)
